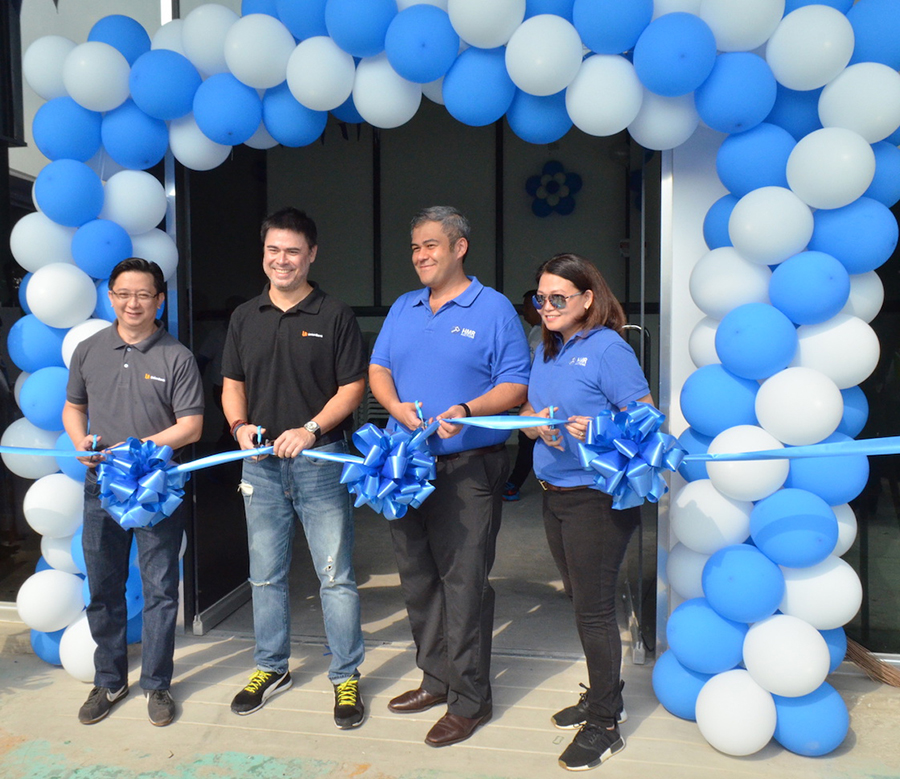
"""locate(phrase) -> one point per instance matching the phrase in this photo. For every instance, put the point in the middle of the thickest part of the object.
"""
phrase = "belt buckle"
(543, 484)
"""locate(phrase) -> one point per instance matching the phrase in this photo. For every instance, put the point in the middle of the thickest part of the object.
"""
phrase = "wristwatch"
(313, 427)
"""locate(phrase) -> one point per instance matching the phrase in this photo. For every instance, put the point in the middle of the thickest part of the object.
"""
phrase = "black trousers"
(588, 539)
(445, 552)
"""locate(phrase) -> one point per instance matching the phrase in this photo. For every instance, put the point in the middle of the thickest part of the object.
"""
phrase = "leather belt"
(329, 438)
(446, 458)
(548, 487)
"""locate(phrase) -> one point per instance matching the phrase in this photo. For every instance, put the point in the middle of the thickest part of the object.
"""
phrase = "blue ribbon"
(628, 453)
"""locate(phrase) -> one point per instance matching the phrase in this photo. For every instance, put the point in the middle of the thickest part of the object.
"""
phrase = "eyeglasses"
(556, 300)
(140, 297)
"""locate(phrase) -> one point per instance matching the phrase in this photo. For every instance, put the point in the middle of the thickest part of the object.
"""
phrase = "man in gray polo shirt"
(131, 379)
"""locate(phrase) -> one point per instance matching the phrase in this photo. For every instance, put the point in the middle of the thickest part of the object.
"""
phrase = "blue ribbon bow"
(628, 453)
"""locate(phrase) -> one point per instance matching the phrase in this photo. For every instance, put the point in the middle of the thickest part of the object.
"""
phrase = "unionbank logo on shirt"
(465, 332)
(150, 377)
(581, 361)
(307, 334)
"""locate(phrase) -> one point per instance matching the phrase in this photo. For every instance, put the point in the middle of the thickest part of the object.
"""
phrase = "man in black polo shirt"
(294, 370)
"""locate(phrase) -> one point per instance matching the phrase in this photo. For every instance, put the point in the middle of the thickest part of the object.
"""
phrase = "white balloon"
(844, 348)
(485, 25)
(702, 343)
(49, 600)
(261, 139)
(76, 650)
(734, 714)
(42, 65)
(103, 165)
(831, 167)
(810, 46)
(786, 656)
(58, 553)
(17, 391)
(170, 36)
(36, 241)
(826, 595)
(663, 7)
(434, 91)
(747, 480)
(866, 296)
(705, 520)
(382, 97)
(257, 48)
(61, 295)
(320, 73)
(605, 97)
(722, 280)
(54, 506)
(203, 38)
(684, 571)
(865, 98)
(402, 5)
(664, 122)
(543, 55)
(22, 433)
(741, 26)
(192, 148)
(846, 529)
(799, 406)
(135, 200)
(157, 246)
(78, 333)
(96, 76)
(770, 224)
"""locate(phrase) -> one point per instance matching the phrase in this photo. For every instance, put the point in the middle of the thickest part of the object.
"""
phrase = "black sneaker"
(160, 707)
(99, 703)
(348, 704)
(575, 716)
(592, 745)
(262, 686)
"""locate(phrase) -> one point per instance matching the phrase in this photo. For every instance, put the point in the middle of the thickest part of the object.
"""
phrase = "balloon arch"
(809, 98)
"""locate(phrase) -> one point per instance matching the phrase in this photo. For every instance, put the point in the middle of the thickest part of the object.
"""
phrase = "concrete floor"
(536, 670)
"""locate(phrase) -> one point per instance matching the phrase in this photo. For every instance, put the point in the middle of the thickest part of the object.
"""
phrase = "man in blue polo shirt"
(457, 348)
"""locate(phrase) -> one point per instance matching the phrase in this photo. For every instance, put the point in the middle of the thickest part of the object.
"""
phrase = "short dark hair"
(292, 219)
(453, 224)
(141, 266)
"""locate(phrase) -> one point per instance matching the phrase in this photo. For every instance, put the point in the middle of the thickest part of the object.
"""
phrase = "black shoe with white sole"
(592, 745)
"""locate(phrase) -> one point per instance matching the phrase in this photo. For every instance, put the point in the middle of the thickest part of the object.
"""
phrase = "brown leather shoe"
(451, 729)
(414, 701)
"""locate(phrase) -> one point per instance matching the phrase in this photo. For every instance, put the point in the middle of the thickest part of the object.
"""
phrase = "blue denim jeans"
(276, 493)
(107, 548)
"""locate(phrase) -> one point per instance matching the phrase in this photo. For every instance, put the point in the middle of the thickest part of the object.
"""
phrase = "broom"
(873, 667)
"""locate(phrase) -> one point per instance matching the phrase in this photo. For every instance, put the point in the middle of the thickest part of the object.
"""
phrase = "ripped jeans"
(276, 493)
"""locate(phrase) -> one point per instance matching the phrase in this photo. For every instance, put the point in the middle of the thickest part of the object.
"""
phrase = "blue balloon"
(810, 287)
(134, 139)
(122, 33)
(268, 7)
(677, 687)
(46, 645)
(836, 480)
(304, 18)
(885, 187)
(742, 584)
(289, 122)
(69, 465)
(861, 236)
(346, 112)
(755, 341)
(539, 119)
(69, 192)
(694, 443)
(856, 412)
(23, 292)
(814, 724)
(796, 112)
(163, 84)
(739, 93)
(794, 528)
(359, 26)
(42, 565)
(561, 8)
(32, 345)
(104, 309)
(715, 223)
(134, 629)
(43, 396)
(421, 44)
(77, 547)
(63, 129)
(86, 592)
(99, 246)
(675, 54)
(841, 5)
(714, 399)
(876, 31)
(703, 640)
(227, 111)
(611, 26)
(836, 641)
(756, 158)
(477, 88)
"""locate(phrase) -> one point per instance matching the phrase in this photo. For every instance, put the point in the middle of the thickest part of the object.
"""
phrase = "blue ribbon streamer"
(504, 422)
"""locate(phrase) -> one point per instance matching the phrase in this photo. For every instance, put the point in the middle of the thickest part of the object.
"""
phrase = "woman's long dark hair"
(604, 311)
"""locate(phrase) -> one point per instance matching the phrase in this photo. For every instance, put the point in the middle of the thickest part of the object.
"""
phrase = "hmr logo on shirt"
(465, 332)
(582, 361)
(154, 378)
(307, 334)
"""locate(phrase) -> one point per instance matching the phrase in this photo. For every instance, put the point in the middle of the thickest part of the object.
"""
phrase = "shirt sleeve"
(187, 397)
(512, 361)
(621, 378)
(76, 390)
(232, 367)
(350, 350)
(381, 352)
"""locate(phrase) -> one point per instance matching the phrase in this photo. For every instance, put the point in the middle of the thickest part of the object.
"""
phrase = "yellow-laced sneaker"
(348, 705)
(262, 686)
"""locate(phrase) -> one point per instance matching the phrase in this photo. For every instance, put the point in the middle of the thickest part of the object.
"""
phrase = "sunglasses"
(556, 300)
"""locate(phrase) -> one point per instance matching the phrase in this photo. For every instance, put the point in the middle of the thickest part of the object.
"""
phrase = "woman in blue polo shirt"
(582, 367)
